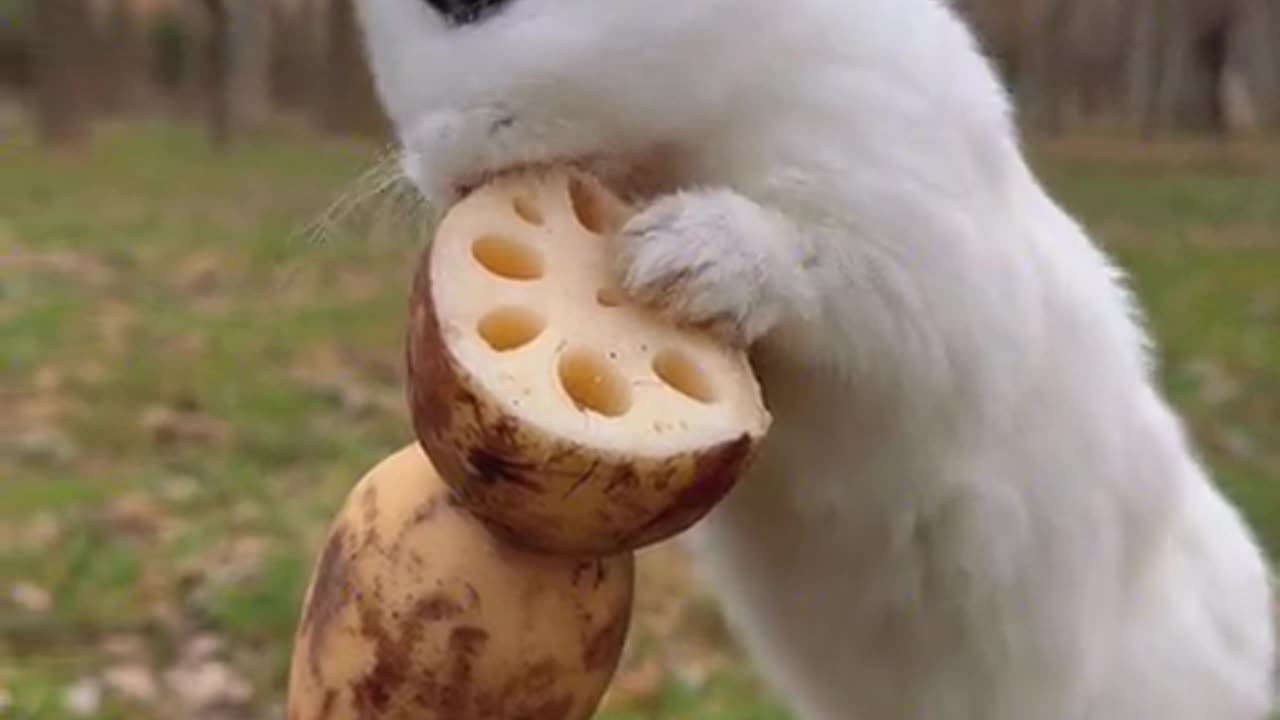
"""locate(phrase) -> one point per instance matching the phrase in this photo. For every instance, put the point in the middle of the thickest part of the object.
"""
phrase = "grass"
(189, 387)
(1197, 230)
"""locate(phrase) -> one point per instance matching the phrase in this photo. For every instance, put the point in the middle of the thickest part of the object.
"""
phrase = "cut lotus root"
(567, 418)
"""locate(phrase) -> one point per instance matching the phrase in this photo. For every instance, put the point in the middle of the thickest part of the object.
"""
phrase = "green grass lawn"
(189, 385)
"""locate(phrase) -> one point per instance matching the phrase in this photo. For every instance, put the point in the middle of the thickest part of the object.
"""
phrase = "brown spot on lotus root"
(374, 691)
(466, 644)
(436, 608)
(327, 705)
(715, 475)
(369, 503)
(426, 510)
(604, 648)
(394, 666)
(369, 516)
(329, 594)
(541, 676)
(492, 467)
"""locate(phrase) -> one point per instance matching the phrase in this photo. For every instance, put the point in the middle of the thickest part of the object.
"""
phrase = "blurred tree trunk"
(1068, 59)
(1143, 68)
(63, 32)
(168, 36)
(349, 103)
(249, 60)
(1192, 57)
(1251, 82)
(193, 17)
(1206, 65)
(296, 54)
(125, 59)
(286, 73)
(16, 48)
(1045, 76)
(1187, 65)
(217, 73)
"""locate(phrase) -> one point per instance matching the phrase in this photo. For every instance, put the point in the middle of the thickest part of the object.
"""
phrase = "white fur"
(975, 504)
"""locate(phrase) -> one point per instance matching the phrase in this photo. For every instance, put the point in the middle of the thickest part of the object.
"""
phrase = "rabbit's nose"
(464, 12)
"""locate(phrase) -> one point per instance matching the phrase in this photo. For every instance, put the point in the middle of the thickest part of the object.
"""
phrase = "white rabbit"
(975, 504)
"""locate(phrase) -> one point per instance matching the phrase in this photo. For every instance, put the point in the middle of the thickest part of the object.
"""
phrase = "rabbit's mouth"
(467, 184)
(641, 176)
(449, 154)
(635, 177)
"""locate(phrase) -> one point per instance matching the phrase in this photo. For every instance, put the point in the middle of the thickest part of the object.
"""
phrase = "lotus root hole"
(609, 297)
(683, 375)
(508, 258)
(593, 383)
(511, 328)
(589, 207)
(527, 210)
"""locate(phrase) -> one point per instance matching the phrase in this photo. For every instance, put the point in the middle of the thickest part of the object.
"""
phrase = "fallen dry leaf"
(37, 409)
(200, 274)
(232, 561)
(135, 682)
(1237, 443)
(333, 375)
(180, 489)
(43, 530)
(124, 647)
(193, 342)
(205, 646)
(1215, 384)
(83, 698)
(206, 684)
(169, 426)
(116, 322)
(31, 597)
(136, 514)
(91, 372)
(44, 445)
(203, 279)
(164, 611)
(49, 379)
(85, 269)
(246, 511)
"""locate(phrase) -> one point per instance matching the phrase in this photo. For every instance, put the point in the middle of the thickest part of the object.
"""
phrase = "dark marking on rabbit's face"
(465, 12)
